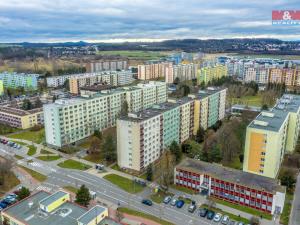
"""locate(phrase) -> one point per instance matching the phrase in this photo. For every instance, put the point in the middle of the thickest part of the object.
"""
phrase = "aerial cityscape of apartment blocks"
(45, 208)
(113, 78)
(70, 120)
(108, 76)
(181, 71)
(15, 80)
(142, 136)
(211, 72)
(107, 65)
(153, 70)
(231, 185)
(270, 135)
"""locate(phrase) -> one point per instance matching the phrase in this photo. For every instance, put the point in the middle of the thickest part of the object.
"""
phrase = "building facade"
(113, 78)
(15, 80)
(24, 119)
(143, 136)
(230, 185)
(270, 135)
(107, 65)
(153, 70)
(212, 72)
(181, 71)
(70, 120)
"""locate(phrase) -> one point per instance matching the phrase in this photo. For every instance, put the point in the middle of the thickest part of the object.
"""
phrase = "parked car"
(210, 214)
(179, 204)
(167, 199)
(99, 166)
(147, 202)
(241, 223)
(203, 212)
(173, 202)
(3, 205)
(225, 220)
(217, 217)
(192, 208)
(232, 222)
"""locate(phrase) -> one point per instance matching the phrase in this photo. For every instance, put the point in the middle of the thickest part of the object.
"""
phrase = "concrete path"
(295, 211)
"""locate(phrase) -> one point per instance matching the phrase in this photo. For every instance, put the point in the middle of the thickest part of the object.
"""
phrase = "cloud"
(63, 20)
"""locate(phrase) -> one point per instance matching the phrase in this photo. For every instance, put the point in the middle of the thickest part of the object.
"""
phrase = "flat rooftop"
(54, 197)
(97, 87)
(66, 214)
(90, 215)
(286, 104)
(231, 175)
(19, 112)
(154, 110)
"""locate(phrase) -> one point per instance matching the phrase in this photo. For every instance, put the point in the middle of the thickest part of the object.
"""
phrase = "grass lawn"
(244, 209)
(159, 196)
(19, 157)
(34, 136)
(124, 183)
(72, 164)
(186, 200)
(49, 157)
(285, 216)
(144, 215)
(95, 158)
(183, 189)
(232, 216)
(36, 175)
(116, 167)
(70, 189)
(32, 150)
(43, 151)
(248, 100)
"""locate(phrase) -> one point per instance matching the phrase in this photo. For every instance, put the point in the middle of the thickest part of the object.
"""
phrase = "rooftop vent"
(260, 123)
(30, 204)
(267, 114)
(280, 106)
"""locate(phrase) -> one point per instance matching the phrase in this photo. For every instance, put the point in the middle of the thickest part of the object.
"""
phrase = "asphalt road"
(59, 177)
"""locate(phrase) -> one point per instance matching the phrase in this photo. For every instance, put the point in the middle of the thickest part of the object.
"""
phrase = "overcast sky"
(117, 20)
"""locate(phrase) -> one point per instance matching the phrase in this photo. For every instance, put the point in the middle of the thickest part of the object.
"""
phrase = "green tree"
(66, 84)
(175, 150)
(98, 134)
(109, 149)
(200, 135)
(149, 173)
(254, 220)
(83, 196)
(185, 90)
(124, 108)
(264, 107)
(54, 98)
(38, 103)
(287, 179)
(27, 105)
(95, 145)
(23, 193)
(176, 81)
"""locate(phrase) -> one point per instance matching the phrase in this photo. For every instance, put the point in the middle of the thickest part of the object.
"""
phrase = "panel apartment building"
(211, 72)
(110, 77)
(181, 71)
(153, 70)
(113, 78)
(142, 136)
(15, 80)
(231, 185)
(270, 135)
(106, 65)
(70, 120)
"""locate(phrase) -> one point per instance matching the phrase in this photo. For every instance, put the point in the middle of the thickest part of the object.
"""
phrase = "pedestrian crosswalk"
(44, 188)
